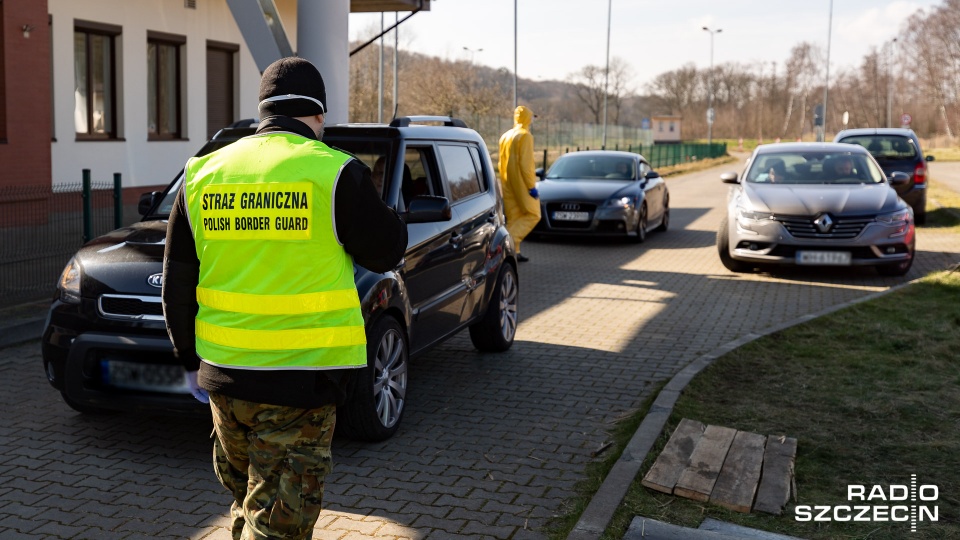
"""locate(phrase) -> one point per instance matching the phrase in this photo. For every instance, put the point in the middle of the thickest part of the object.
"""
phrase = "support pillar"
(323, 38)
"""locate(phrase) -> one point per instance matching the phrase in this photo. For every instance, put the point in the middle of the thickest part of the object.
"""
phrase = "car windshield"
(372, 153)
(814, 167)
(886, 147)
(593, 167)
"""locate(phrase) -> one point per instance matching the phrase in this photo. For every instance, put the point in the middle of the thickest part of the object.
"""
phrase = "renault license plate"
(144, 376)
(571, 216)
(824, 258)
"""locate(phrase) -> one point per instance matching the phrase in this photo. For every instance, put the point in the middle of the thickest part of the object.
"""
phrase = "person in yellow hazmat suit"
(521, 202)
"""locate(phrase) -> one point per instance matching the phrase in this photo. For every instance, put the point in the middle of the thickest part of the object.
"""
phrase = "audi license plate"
(571, 216)
(149, 377)
(824, 258)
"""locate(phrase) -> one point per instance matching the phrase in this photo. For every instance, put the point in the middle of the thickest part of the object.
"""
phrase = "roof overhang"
(377, 6)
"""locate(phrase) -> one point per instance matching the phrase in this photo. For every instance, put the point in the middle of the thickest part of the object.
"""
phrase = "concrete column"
(323, 38)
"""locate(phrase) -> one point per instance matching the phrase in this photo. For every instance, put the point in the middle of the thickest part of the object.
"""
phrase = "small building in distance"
(666, 128)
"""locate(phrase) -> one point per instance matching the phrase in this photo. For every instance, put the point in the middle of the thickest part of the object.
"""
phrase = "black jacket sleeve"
(181, 274)
(370, 231)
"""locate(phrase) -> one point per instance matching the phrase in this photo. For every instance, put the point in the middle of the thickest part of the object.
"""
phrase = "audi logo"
(569, 206)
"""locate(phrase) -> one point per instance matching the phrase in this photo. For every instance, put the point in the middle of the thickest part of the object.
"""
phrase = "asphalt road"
(492, 446)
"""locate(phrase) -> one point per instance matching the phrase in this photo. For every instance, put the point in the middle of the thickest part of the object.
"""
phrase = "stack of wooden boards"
(735, 469)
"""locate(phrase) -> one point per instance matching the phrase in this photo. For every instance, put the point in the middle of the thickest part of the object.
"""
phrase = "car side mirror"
(729, 178)
(899, 178)
(540, 173)
(650, 175)
(147, 201)
(428, 209)
(930, 158)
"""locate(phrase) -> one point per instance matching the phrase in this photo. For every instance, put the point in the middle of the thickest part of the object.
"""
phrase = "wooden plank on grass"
(697, 480)
(737, 483)
(774, 489)
(675, 456)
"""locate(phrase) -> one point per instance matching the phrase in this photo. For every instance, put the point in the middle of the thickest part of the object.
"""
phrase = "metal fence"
(41, 227)
(554, 138)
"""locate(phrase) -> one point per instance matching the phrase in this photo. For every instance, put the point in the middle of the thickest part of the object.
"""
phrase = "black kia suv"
(105, 345)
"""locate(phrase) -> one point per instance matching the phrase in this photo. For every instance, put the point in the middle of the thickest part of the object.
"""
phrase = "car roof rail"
(449, 121)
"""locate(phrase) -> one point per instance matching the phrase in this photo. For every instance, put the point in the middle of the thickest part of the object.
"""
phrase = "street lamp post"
(606, 77)
(472, 52)
(514, 54)
(890, 83)
(710, 115)
(821, 136)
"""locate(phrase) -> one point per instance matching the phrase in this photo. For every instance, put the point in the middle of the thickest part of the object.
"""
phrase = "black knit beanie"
(292, 87)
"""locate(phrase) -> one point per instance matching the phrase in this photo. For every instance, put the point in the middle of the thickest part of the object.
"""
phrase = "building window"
(163, 85)
(221, 86)
(671, 127)
(95, 84)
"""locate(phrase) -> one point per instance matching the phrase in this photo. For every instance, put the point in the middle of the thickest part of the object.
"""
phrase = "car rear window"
(886, 147)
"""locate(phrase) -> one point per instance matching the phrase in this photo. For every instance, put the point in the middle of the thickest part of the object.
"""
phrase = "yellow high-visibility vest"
(276, 288)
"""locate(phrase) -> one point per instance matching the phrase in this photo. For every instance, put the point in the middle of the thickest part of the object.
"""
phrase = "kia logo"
(155, 280)
(569, 206)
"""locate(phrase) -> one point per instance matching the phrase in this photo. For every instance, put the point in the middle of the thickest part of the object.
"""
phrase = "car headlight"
(69, 283)
(894, 217)
(750, 215)
(622, 202)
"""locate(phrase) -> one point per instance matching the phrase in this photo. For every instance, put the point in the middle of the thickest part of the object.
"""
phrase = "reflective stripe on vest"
(276, 289)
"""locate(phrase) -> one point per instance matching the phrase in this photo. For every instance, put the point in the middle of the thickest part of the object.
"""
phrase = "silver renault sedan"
(816, 204)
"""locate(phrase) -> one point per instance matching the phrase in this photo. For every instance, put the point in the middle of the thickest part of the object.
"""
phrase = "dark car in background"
(602, 193)
(896, 150)
(105, 345)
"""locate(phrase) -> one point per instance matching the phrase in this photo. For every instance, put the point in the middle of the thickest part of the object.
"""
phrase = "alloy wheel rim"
(508, 306)
(390, 384)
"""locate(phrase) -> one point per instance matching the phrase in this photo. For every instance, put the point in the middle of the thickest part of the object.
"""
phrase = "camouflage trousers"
(273, 459)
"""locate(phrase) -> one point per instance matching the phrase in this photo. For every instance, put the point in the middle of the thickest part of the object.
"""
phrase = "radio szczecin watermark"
(894, 495)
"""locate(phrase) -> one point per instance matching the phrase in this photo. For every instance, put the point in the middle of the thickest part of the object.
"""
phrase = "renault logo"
(569, 206)
(155, 280)
(824, 223)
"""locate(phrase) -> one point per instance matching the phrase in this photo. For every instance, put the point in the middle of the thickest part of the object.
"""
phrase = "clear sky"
(557, 37)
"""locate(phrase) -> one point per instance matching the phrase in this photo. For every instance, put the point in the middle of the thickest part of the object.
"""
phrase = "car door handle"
(455, 238)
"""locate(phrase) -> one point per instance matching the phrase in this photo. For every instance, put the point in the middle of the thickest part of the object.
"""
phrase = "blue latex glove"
(534, 193)
(195, 389)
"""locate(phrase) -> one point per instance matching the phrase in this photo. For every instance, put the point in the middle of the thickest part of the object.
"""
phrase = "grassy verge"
(943, 207)
(872, 393)
(944, 154)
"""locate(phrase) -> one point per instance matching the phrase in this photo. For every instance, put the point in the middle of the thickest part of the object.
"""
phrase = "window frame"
(112, 32)
(178, 42)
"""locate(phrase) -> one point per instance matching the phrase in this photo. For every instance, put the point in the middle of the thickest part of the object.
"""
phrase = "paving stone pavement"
(492, 446)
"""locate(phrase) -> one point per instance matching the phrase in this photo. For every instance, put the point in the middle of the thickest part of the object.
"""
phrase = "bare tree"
(592, 85)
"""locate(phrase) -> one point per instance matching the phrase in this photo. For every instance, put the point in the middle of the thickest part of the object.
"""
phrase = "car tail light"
(920, 174)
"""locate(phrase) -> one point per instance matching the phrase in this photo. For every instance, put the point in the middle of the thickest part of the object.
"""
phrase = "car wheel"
(665, 223)
(723, 249)
(641, 225)
(896, 269)
(375, 408)
(496, 330)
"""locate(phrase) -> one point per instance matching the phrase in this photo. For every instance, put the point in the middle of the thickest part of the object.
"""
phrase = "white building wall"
(143, 162)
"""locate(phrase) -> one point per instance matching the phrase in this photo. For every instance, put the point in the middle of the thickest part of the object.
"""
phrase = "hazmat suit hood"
(523, 116)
